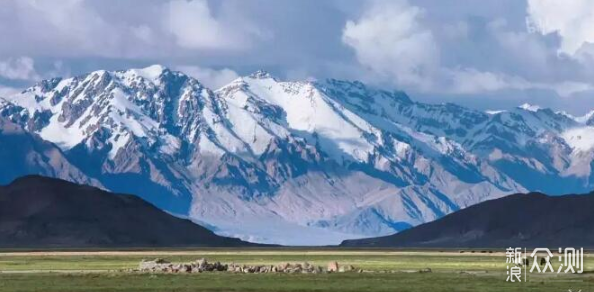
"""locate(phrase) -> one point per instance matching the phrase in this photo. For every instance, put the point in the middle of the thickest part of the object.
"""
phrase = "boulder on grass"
(332, 267)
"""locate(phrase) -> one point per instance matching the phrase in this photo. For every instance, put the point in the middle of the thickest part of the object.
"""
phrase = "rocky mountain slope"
(45, 212)
(24, 153)
(298, 162)
(521, 220)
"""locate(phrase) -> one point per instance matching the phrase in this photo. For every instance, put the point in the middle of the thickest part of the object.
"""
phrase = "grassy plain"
(386, 271)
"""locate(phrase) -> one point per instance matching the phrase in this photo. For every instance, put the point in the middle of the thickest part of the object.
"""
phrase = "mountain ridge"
(329, 159)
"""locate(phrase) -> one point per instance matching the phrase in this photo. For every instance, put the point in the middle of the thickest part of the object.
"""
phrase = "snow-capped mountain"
(298, 162)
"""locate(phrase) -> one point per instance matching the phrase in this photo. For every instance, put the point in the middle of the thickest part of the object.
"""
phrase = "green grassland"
(385, 271)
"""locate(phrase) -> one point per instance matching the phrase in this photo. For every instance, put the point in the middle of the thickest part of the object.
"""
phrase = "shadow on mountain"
(39, 212)
(160, 196)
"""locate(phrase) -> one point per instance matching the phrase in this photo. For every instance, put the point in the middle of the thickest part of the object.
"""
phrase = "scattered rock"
(156, 264)
(332, 267)
(202, 265)
(425, 270)
(348, 268)
(288, 268)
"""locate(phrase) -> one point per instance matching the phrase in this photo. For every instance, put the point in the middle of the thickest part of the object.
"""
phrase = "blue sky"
(485, 54)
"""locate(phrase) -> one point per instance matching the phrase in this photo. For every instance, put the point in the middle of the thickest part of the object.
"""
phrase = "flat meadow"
(383, 270)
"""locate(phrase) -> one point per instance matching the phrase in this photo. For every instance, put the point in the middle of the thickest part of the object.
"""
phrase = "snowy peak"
(529, 107)
(301, 110)
(151, 103)
(152, 72)
(260, 74)
(330, 157)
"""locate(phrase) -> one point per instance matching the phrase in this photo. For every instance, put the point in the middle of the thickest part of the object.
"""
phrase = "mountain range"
(521, 220)
(41, 212)
(287, 162)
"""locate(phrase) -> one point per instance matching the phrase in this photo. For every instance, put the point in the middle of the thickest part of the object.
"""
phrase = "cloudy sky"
(487, 54)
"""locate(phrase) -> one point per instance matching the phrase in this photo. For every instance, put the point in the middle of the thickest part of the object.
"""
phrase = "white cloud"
(391, 41)
(569, 88)
(470, 81)
(68, 26)
(425, 47)
(194, 27)
(22, 68)
(573, 20)
(473, 81)
(124, 29)
(213, 79)
(143, 32)
(8, 91)
(397, 43)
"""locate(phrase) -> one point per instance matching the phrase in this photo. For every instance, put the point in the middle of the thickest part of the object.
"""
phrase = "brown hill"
(44, 212)
(521, 220)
